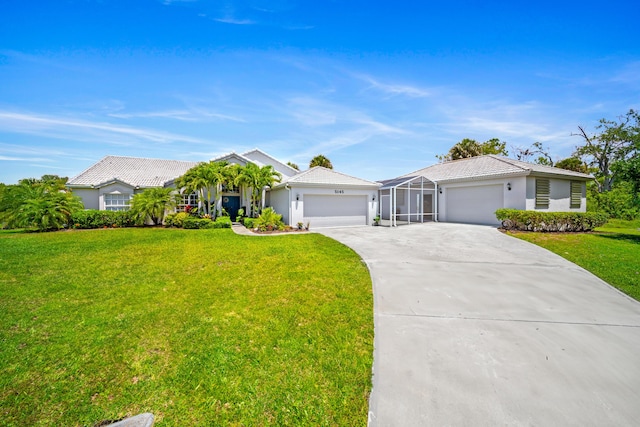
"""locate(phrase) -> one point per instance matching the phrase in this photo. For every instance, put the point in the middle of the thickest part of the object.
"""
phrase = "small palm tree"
(153, 203)
(320, 160)
(257, 178)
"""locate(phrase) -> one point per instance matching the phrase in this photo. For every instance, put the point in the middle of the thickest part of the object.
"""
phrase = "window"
(188, 200)
(542, 193)
(116, 202)
(576, 194)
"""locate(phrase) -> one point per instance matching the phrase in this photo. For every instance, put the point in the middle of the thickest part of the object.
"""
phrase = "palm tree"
(206, 179)
(293, 165)
(257, 178)
(465, 149)
(37, 204)
(194, 180)
(153, 203)
(320, 160)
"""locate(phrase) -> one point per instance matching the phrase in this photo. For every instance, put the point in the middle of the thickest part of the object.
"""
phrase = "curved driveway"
(473, 327)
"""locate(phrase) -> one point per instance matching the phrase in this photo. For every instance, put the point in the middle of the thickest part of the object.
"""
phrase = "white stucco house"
(471, 190)
(466, 190)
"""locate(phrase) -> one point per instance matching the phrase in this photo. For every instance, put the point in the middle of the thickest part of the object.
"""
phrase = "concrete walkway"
(473, 327)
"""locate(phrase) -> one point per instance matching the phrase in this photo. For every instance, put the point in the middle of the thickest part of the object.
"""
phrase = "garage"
(474, 204)
(334, 211)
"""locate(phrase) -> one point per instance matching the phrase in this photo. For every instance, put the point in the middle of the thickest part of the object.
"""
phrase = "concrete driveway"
(473, 327)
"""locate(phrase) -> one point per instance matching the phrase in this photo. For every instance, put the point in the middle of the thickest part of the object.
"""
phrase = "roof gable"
(322, 176)
(232, 157)
(261, 158)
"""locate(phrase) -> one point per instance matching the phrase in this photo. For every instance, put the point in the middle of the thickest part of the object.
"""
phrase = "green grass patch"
(199, 327)
(612, 252)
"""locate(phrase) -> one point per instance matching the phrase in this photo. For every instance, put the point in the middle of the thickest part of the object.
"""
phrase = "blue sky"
(378, 87)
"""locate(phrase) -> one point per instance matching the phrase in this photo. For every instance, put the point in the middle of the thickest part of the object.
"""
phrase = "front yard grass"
(612, 252)
(199, 327)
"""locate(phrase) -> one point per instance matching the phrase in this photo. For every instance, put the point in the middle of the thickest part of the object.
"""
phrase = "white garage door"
(474, 205)
(335, 211)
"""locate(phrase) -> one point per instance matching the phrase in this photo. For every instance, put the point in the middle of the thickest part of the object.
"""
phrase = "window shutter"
(542, 193)
(576, 194)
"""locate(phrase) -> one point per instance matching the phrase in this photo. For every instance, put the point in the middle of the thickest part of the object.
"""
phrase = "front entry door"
(231, 204)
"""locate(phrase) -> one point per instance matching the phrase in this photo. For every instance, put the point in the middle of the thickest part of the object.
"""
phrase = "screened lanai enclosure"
(407, 200)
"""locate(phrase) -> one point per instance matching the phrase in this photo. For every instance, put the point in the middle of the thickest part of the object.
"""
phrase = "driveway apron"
(473, 327)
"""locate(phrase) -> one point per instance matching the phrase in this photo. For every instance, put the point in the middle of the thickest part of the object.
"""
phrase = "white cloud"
(83, 130)
(24, 159)
(182, 115)
(234, 21)
(396, 89)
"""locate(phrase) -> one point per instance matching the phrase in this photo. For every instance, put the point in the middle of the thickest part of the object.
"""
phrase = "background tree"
(153, 203)
(536, 149)
(320, 160)
(471, 148)
(613, 142)
(572, 164)
(293, 165)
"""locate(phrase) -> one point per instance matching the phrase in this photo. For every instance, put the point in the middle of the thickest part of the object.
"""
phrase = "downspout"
(435, 203)
(289, 194)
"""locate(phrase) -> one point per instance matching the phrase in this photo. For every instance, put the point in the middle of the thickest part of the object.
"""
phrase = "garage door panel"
(474, 205)
(334, 211)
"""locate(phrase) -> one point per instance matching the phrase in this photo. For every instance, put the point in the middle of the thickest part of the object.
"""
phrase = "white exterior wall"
(116, 188)
(279, 201)
(559, 195)
(514, 198)
(294, 215)
(90, 197)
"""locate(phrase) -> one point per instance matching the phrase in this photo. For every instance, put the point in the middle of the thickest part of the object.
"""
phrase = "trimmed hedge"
(92, 218)
(193, 223)
(222, 222)
(514, 219)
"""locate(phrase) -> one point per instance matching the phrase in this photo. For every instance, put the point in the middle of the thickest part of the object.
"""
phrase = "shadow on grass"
(631, 238)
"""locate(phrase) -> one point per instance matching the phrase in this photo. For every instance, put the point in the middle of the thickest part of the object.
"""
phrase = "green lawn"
(199, 327)
(611, 252)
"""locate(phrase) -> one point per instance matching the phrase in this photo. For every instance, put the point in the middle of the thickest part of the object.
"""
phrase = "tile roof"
(135, 171)
(322, 176)
(488, 166)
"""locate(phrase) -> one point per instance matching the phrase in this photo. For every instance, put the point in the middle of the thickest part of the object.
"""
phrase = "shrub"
(92, 218)
(269, 220)
(249, 222)
(222, 222)
(617, 203)
(514, 219)
(193, 223)
(176, 219)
